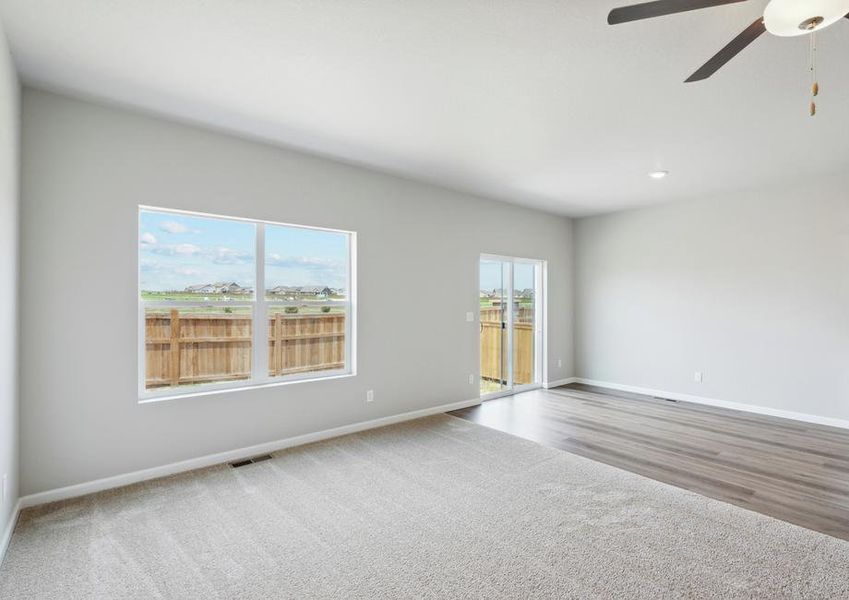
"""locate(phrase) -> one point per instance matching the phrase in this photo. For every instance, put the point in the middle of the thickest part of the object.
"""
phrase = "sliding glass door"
(494, 275)
(510, 324)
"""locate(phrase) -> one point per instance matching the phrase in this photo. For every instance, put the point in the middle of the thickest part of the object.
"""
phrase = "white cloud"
(148, 265)
(303, 262)
(186, 271)
(218, 254)
(173, 227)
(147, 239)
(187, 249)
(227, 256)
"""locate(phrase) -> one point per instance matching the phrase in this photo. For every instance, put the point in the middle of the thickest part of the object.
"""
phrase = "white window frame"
(259, 343)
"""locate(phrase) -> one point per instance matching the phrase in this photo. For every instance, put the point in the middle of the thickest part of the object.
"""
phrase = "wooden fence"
(492, 338)
(202, 348)
(198, 348)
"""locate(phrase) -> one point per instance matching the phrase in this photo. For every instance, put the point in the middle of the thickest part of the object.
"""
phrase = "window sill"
(153, 398)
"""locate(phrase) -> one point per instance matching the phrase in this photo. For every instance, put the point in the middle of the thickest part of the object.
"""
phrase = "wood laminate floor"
(794, 471)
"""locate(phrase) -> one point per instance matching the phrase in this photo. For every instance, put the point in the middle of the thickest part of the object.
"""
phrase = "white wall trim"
(209, 460)
(7, 533)
(752, 408)
(552, 384)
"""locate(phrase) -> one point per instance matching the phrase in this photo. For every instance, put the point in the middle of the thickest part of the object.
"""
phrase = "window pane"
(183, 257)
(524, 294)
(305, 338)
(305, 264)
(195, 345)
(493, 338)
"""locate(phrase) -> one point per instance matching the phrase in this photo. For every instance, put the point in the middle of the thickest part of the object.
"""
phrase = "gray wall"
(87, 167)
(9, 169)
(752, 289)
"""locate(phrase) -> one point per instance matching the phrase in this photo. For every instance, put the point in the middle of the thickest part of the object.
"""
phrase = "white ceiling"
(537, 102)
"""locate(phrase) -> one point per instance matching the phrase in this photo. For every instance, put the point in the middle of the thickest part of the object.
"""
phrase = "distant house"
(315, 291)
(230, 287)
(497, 294)
(203, 288)
(221, 287)
(285, 290)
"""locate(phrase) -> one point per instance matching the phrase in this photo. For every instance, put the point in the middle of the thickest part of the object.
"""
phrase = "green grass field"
(191, 297)
(523, 302)
(188, 296)
(218, 304)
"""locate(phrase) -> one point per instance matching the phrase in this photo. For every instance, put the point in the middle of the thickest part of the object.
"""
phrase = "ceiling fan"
(783, 18)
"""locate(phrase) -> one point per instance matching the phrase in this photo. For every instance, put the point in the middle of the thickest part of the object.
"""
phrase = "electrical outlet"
(470, 317)
(559, 363)
(698, 377)
(471, 378)
(370, 396)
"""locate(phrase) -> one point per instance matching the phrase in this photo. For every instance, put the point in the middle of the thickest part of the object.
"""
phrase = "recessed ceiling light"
(658, 174)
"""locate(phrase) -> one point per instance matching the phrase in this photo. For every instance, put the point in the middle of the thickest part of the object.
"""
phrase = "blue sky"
(176, 251)
(295, 256)
(491, 276)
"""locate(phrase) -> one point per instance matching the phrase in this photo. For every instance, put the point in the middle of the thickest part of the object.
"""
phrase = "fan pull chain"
(815, 87)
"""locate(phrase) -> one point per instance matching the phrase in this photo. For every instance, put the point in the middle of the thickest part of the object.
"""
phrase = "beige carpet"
(435, 508)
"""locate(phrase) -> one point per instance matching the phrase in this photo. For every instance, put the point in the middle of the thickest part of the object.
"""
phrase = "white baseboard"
(752, 408)
(552, 384)
(7, 533)
(98, 485)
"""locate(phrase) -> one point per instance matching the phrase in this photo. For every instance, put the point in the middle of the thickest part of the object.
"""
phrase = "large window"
(227, 303)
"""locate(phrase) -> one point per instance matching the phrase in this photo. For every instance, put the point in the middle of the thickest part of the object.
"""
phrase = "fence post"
(175, 347)
(278, 343)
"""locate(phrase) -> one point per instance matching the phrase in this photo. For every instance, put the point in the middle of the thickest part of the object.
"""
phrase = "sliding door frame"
(540, 323)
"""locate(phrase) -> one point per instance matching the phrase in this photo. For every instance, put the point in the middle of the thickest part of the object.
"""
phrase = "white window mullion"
(259, 364)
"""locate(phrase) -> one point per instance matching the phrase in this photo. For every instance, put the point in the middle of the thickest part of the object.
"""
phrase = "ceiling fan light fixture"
(787, 18)
(658, 174)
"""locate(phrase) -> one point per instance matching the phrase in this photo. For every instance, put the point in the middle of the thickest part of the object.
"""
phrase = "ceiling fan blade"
(659, 8)
(749, 35)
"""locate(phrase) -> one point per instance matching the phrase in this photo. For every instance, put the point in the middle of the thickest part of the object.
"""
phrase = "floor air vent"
(666, 399)
(250, 461)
